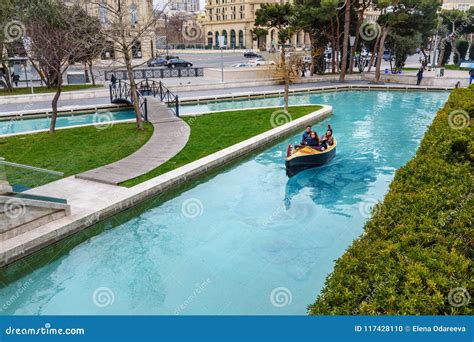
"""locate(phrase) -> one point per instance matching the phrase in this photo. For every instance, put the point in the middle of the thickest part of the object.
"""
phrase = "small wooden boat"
(299, 159)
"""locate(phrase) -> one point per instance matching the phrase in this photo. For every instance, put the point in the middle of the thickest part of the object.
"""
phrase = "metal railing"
(158, 89)
(155, 72)
(121, 92)
(19, 177)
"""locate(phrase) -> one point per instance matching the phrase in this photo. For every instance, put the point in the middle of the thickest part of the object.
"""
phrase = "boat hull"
(304, 162)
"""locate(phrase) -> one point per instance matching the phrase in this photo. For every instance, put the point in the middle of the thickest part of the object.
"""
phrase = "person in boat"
(327, 139)
(306, 135)
(314, 142)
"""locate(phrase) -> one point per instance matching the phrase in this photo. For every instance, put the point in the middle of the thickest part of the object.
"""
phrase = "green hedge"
(418, 246)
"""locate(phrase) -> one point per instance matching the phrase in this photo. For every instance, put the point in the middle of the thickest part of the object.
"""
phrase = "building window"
(137, 50)
(224, 33)
(209, 38)
(103, 13)
(108, 52)
(241, 39)
(133, 14)
(232, 39)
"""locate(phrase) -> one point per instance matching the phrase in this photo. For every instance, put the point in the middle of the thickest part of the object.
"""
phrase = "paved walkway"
(170, 135)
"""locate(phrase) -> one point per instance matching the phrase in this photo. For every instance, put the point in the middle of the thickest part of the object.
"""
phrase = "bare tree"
(125, 31)
(289, 70)
(54, 39)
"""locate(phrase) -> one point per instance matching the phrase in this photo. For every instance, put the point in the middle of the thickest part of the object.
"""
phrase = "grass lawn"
(43, 90)
(455, 67)
(71, 151)
(213, 132)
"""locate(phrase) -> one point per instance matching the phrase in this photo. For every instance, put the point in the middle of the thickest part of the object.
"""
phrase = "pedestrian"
(419, 76)
(113, 80)
(471, 74)
(15, 78)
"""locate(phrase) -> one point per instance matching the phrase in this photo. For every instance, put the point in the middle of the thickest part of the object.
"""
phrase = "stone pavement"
(170, 135)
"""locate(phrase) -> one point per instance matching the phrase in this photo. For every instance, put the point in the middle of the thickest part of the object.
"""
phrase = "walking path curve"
(170, 135)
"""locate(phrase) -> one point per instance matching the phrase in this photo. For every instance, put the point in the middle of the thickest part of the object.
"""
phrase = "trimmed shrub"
(448, 49)
(416, 255)
(461, 46)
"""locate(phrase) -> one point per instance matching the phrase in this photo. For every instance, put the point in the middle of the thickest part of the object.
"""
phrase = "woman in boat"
(313, 142)
(327, 139)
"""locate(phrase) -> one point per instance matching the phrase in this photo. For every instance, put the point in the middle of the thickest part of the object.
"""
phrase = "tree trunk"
(286, 75)
(442, 51)
(345, 41)
(91, 72)
(333, 47)
(133, 90)
(6, 77)
(54, 105)
(385, 30)
(338, 36)
(86, 73)
(374, 52)
(357, 40)
(287, 91)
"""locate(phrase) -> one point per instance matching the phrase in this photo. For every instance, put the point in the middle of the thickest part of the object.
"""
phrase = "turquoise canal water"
(246, 240)
(28, 125)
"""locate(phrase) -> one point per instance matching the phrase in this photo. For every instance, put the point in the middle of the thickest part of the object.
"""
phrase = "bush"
(462, 46)
(471, 52)
(416, 255)
(447, 52)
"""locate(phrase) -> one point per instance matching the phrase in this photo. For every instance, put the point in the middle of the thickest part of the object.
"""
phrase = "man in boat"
(306, 135)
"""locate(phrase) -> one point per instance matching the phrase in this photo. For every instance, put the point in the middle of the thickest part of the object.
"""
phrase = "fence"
(142, 74)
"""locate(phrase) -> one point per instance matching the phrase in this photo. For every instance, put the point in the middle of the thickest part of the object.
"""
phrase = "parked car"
(288, 47)
(306, 60)
(387, 55)
(178, 63)
(157, 62)
(167, 57)
(240, 65)
(260, 62)
(251, 54)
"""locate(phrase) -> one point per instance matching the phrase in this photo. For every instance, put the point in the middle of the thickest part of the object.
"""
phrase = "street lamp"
(221, 44)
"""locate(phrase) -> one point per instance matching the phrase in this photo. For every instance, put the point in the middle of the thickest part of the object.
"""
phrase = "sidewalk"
(192, 87)
(170, 135)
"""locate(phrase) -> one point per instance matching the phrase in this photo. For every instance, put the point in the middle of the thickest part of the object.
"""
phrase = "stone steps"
(19, 215)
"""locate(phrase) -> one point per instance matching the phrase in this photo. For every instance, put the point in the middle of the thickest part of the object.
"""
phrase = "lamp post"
(166, 35)
(221, 44)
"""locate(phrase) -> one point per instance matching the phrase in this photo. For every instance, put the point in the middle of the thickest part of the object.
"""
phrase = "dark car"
(157, 62)
(179, 63)
(251, 54)
(167, 57)
(388, 55)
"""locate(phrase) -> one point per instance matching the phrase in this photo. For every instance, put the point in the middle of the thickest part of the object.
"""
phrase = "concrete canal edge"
(119, 199)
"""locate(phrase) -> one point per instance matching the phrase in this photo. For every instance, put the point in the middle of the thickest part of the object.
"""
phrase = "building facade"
(183, 6)
(235, 21)
(462, 5)
(137, 13)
